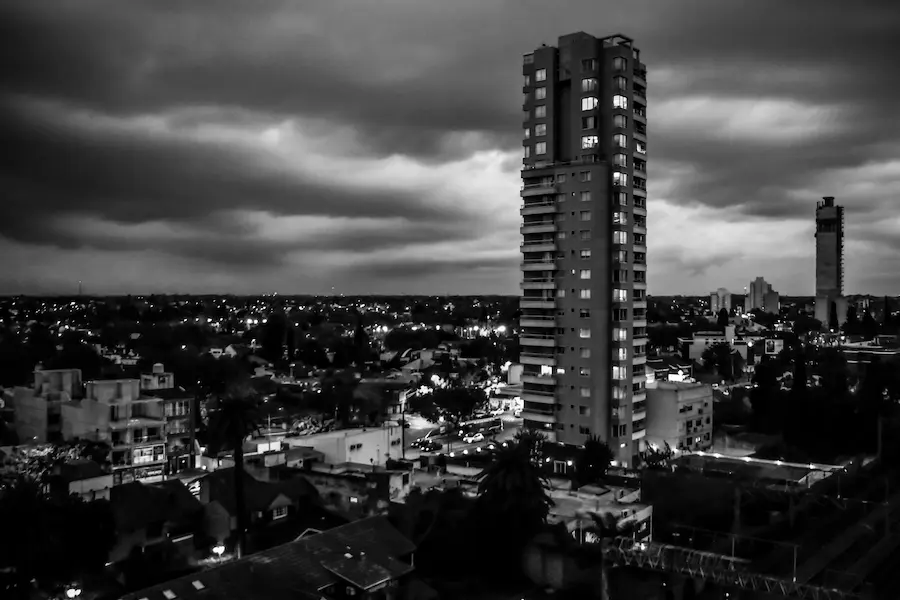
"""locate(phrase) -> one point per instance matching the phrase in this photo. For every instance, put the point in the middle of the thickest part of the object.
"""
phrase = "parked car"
(473, 438)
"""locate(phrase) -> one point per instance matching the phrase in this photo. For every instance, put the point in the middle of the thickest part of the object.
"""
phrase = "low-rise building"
(37, 410)
(178, 407)
(367, 446)
(83, 478)
(680, 414)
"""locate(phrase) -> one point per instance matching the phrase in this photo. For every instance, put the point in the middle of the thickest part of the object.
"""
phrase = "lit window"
(622, 198)
(584, 333)
(620, 237)
(588, 122)
(618, 178)
(620, 121)
(540, 130)
(540, 112)
(585, 196)
(540, 75)
(620, 218)
(561, 178)
(621, 354)
(586, 253)
(621, 83)
(589, 64)
(527, 151)
(620, 64)
(618, 101)
(584, 372)
(584, 274)
(619, 334)
(620, 140)
(589, 103)
(619, 372)
(528, 133)
(560, 293)
(585, 353)
(640, 147)
(589, 85)
(585, 177)
(620, 295)
(584, 215)
(585, 392)
(541, 93)
(589, 141)
(620, 160)
(540, 148)
(527, 80)
(560, 235)
(584, 313)
(280, 512)
(584, 294)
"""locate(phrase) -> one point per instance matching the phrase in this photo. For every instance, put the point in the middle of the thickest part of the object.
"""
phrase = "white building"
(369, 446)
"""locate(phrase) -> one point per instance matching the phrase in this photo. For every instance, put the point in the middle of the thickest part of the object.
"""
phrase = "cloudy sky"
(373, 146)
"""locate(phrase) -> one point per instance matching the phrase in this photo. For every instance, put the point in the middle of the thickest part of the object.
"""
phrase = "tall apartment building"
(761, 295)
(719, 299)
(830, 260)
(583, 328)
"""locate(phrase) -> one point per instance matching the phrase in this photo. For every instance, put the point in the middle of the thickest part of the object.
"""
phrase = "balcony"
(640, 396)
(547, 264)
(538, 227)
(539, 410)
(547, 303)
(539, 417)
(539, 379)
(639, 323)
(638, 435)
(639, 304)
(639, 360)
(538, 208)
(639, 416)
(533, 339)
(541, 283)
(538, 189)
(136, 422)
(536, 321)
(536, 358)
(542, 246)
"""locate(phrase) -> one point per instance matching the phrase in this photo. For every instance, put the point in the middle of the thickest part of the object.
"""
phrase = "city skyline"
(362, 148)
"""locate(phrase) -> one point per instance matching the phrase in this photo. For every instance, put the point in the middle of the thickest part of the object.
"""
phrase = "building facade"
(583, 327)
(719, 299)
(178, 407)
(830, 261)
(37, 410)
(761, 295)
(680, 415)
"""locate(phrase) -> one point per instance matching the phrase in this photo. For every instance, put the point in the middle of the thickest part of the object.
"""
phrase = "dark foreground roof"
(363, 553)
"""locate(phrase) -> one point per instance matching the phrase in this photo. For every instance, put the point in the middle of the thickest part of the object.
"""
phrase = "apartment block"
(178, 409)
(583, 327)
(761, 295)
(680, 414)
(719, 299)
(38, 409)
(830, 261)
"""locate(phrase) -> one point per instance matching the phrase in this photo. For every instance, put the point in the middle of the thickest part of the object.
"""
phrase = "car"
(430, 446)
(517, 414)
(497, 412)
(473, 438)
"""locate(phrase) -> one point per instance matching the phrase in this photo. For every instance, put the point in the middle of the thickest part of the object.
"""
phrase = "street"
(451, 443)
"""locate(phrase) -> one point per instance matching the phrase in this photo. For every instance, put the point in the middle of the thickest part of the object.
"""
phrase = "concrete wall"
(94, 488)
(30, 413)
(375, 445)
(86, 420)
(113, 390)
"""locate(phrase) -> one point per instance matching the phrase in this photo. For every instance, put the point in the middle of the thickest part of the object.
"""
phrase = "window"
(620, 64)
(560, 235)
(528, 133)
(584, 235)
(280, 512)
(586, 253)
(620, 295)
(584, 372)
(584, 313)
(622, 198)
(588, 141)
(620, 218)
(585, 196)
(589, 103)
(584, 411)
(618, 178)
(540, 75)
(527, 80)
(560, 293)
(621, 256)
(584, 333)
(585, 353)
(540, 112)
(584, 294)
(584, 274)
(584, 430)
(620, 83)
(541, 148)
(620, 121)
(618, 101)
(584, 215)
(589, 85)
(620, 354)
(588, 122)
(620, 140)
(589, 64)
(585, 176)
(619, 334)
(540, 129)
(620, 160)
(585, 392)
(541, 93)
(620, 276)
(527, 151)
(620, 237)
(561, 178)
(619, 372)
(640, 147)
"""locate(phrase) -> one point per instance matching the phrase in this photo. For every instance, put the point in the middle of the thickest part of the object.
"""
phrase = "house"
(364, 559)
(153, 519)
(83, 478)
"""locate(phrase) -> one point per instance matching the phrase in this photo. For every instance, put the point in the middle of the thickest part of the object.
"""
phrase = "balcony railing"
(537, 355)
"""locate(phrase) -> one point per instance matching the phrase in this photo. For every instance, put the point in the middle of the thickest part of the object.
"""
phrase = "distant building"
(178, 407)
(680, 415)
(830, 261)
(368, 446)
(37, 410)
(760, 295)
(719, 299)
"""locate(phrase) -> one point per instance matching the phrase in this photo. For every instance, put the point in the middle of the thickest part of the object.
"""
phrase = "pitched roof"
(136, 505)
(259, 494)
(360, 553)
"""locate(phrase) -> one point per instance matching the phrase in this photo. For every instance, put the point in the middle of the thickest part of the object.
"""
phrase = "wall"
(58, 380)
(113, 390)
(376, 445)
(86, 420)
(30, 413)
(94, 488)
(666, 423)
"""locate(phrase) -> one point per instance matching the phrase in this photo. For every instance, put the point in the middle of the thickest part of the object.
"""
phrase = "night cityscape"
(304, 301)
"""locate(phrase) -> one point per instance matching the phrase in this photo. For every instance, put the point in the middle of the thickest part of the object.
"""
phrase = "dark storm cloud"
(410, 267)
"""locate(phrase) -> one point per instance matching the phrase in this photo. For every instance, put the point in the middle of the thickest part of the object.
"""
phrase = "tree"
(593, 461)
(764, 397)
(869, 327)
(719, 356)
(833, 317)
(851, 325)
(236, 417)
(886, 317)
(532, 440)
(722, 318)
(273, 337)
(458, 402)
(423, 404)
(656, 457)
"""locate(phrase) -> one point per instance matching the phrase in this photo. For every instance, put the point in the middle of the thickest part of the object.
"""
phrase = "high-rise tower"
(583, 329)
(830, 261)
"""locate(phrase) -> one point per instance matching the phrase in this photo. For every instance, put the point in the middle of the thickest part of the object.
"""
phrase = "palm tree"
(606, 527)
(593, 461)
(236, 417)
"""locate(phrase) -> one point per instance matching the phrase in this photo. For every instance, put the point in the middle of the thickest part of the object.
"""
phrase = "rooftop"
(679, 385)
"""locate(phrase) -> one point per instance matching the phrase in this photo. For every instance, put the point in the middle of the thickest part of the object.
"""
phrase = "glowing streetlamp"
(219, 550)
(73, 591)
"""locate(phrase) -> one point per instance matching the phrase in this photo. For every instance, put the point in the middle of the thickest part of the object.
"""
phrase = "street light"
(219, 550)
(73, 591)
